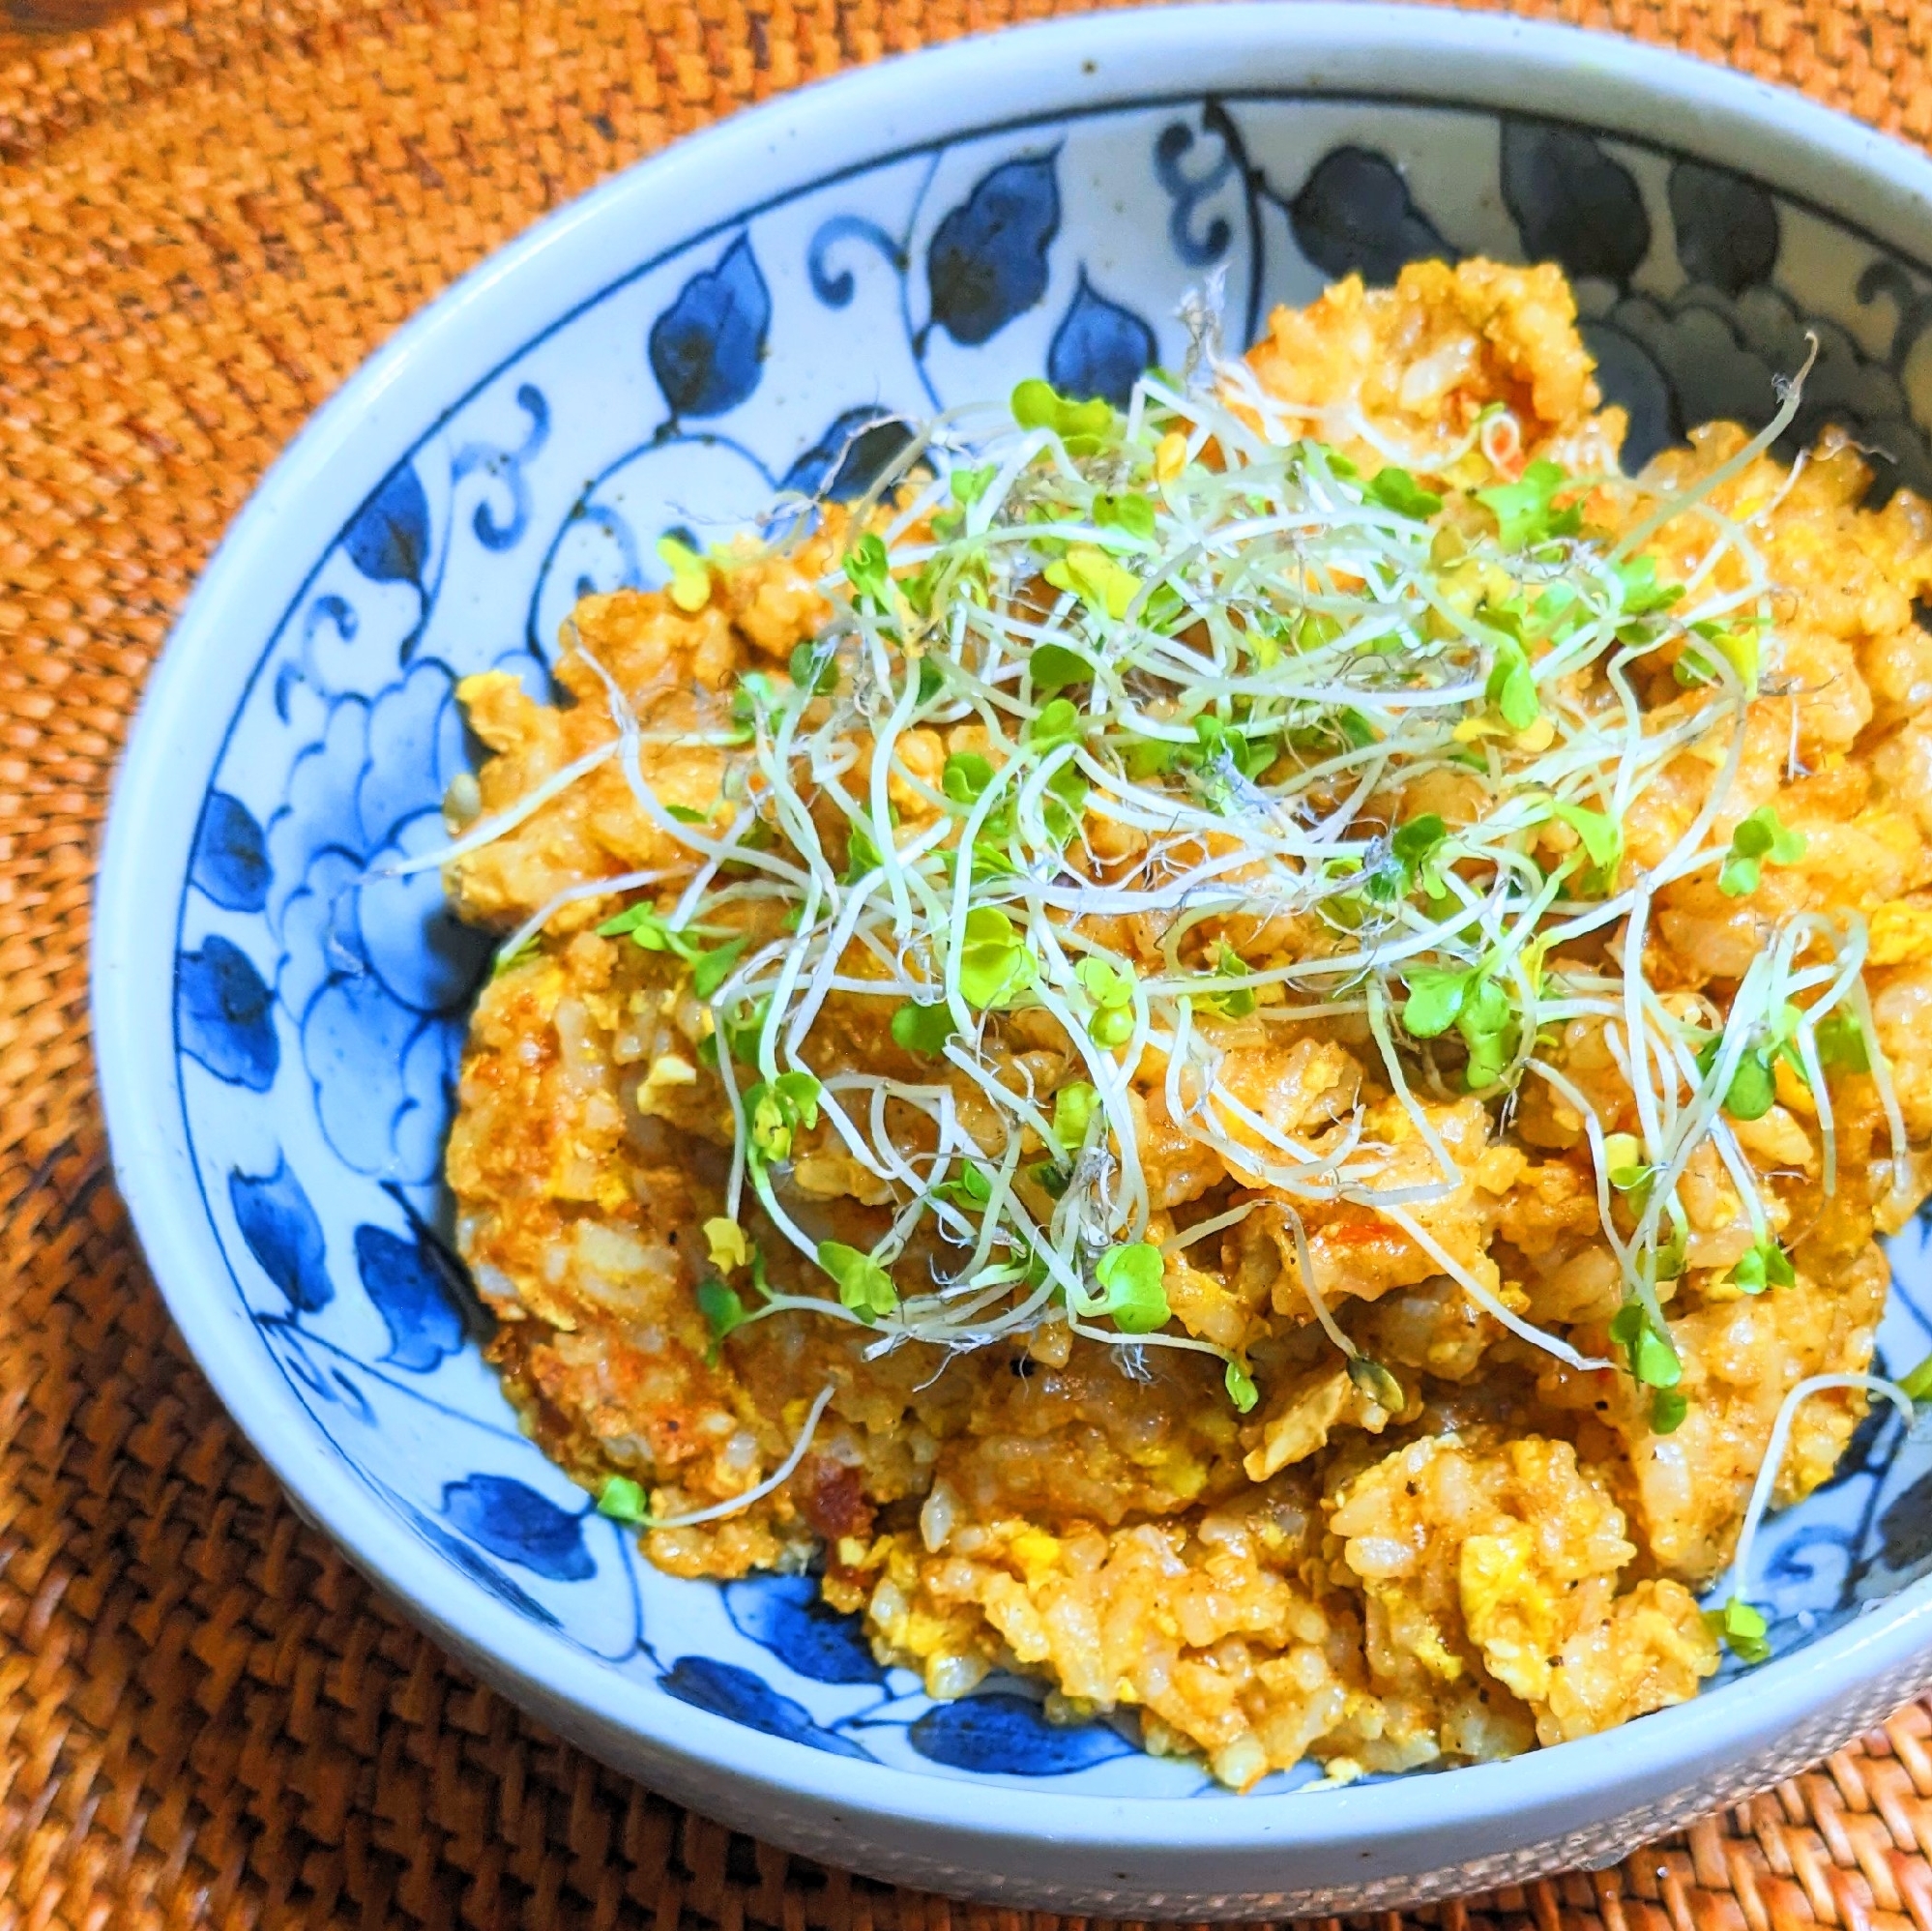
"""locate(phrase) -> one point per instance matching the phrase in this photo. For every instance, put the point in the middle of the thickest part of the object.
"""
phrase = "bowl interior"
(318, 1019)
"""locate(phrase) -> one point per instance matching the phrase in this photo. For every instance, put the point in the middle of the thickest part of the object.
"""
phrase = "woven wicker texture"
(208, 216)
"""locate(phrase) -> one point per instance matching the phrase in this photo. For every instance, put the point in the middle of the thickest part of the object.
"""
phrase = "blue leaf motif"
(1099, 348)
(1905, 1529)
(1571, 202)
(1355, 215)
(1727, 226)
(506, 467)
(388, 538)
(230, 858)
(727, 1690)
(224, 1014)
(788, 1615)
(1006, 1736)
(480, 1571)
(1628, 378)
(708, 348)
(850, 456)
(405, 1281)
(987, 262)
(283, 1235)
(513, 1521)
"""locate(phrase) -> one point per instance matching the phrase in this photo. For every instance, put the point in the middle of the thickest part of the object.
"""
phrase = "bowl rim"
(1637, 92)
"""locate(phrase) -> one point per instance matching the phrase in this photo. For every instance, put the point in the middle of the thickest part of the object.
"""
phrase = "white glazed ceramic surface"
(278, 1044)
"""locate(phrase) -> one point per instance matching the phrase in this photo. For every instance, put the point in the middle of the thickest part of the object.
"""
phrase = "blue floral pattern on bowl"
(319, 1017)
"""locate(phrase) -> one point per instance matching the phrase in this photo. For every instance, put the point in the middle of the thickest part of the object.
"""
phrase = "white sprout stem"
(489, 829)
(1763, 1488)
(776, 1480)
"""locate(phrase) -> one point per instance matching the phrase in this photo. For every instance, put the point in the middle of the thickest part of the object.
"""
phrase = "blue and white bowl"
(277, 1047)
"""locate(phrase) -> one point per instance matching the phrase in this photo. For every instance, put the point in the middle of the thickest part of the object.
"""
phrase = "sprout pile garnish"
(1188, 662)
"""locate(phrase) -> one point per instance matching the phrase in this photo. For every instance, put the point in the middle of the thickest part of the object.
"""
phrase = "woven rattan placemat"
(209, 214)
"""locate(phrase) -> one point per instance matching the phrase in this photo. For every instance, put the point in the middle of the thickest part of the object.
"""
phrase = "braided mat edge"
(209, 215)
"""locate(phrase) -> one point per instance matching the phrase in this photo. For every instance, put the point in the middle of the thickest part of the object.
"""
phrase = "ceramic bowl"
(278, 1044)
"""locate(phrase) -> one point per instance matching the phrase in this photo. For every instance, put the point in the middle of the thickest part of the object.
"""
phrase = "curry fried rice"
(1237, 1053)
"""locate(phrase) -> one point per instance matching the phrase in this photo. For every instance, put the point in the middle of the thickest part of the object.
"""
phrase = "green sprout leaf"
(1654, 1359)
(922, 1028)
(1524, 510)
(1643, 593)
(1739, 648)
(690, 575)
(972, 1190)
(812, 672)
(1740, 1629)
(1054, 666)
(862, 855)
(968, 486)
(1841, 1043)
(1373, 1380)
(1058, 723)
(1132, 1278)
(1084, 428)
(1487, 1023)
(869, 569)
(1623, 1164)
(995, 966)
(622, 1500)
(1396, 489)
(1758, 840)
(1753, 1088)
(1073, 1107)
(1239, 1385)
(1239, 1001)
(864, 1285)
(711, 969)
(1766, 1265)
(1133, 515)
(1111, 989)
(1108, 985)
(1512, 687)
(642, 923)
(1602, 838)
(1668, 1407)
(1104, 585)
(1417, 841)
(775, 1111)
(1435, 1001)
(964, 777)
(1918, 1385)
(723, 1310)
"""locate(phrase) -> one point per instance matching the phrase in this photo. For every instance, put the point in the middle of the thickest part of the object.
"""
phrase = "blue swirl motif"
(1171, 148)
(505, 468)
